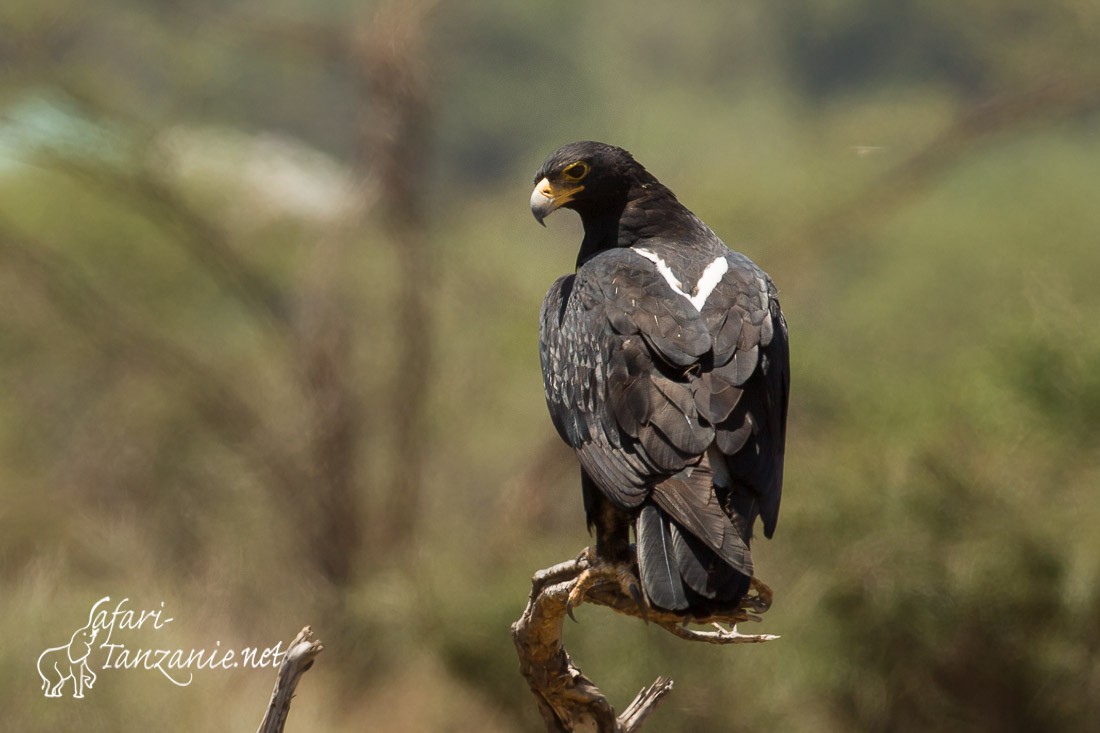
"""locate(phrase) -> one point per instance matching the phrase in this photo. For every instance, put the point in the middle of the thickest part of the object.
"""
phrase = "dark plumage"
(666, 368)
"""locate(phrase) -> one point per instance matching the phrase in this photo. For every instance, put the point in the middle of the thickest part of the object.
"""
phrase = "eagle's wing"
(644, 385)
(744, 393)
(615, 350)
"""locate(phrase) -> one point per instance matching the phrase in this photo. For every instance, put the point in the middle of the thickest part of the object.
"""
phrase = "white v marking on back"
(708, 281)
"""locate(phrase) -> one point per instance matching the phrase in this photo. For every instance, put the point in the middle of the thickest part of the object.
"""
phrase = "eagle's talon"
(631, 586)
(576, 596)
(604, 572)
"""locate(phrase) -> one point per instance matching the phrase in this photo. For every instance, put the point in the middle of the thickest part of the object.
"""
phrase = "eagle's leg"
(613, 558)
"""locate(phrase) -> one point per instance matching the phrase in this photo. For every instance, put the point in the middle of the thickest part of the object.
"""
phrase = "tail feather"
(694, 565)
(657, 560)
(693, 539)
(730, 586)
(692, 503)
(706, 575)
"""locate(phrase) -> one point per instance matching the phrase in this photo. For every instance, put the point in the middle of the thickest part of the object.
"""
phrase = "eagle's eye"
(576, 171)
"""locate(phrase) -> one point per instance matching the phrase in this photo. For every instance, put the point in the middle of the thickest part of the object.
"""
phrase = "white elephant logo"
(60, 664)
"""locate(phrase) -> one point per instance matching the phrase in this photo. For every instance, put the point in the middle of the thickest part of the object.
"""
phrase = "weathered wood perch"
(569, 701)
(299, 658)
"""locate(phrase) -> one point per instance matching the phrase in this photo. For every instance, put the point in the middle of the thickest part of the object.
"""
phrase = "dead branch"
(299, 658)
(569, 701)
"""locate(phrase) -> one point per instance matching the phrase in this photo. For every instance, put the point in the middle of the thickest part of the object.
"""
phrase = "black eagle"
(666, 367)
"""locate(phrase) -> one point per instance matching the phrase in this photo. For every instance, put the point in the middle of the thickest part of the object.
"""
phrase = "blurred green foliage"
(186, 281)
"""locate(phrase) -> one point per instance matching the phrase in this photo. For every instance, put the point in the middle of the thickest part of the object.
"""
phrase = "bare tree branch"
(569, 701)
(645, 703)
(299, 658)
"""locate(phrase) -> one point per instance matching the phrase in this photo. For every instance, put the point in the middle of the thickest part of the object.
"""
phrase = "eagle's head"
(588, 177)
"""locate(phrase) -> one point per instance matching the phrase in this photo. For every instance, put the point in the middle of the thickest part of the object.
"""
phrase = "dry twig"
(299, 658)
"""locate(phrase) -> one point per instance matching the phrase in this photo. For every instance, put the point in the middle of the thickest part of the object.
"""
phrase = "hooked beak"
(546, 199)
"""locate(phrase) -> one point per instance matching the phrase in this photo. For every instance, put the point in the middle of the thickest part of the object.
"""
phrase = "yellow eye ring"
(576, 171)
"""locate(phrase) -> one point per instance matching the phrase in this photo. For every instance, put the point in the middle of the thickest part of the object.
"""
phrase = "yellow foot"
(600, 571)
(759, 602)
